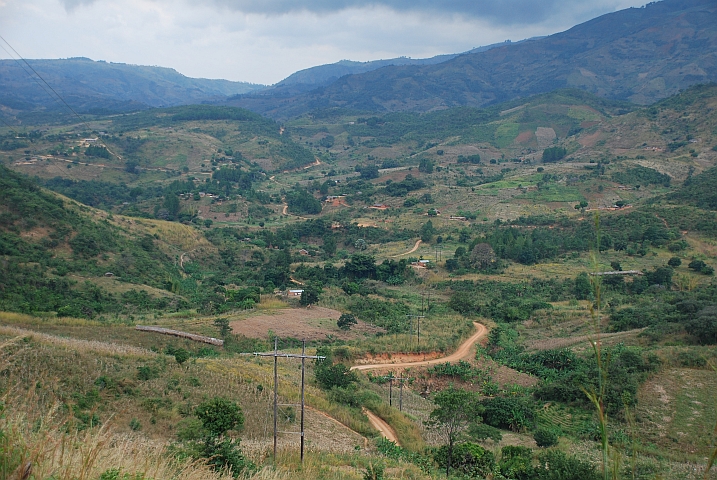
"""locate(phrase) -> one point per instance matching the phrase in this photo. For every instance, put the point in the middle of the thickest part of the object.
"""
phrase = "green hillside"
(553, 222)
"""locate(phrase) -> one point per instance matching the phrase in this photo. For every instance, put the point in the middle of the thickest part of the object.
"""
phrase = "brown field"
(302, 323)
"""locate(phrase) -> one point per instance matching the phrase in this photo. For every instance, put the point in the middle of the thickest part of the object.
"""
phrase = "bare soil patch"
(524, 137)
(313, 323)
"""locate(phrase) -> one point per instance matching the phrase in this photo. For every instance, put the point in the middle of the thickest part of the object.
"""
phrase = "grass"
(408, 433)
(554, 193)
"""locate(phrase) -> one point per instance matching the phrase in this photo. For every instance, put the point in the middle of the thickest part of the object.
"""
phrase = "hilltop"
(638, 54)
(97, 86)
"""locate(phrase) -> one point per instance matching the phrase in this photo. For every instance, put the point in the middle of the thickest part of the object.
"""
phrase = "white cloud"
(264, 41)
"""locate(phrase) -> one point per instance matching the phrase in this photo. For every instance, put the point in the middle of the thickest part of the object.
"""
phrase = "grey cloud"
(71, 5)
(501, 12)
(506, 12)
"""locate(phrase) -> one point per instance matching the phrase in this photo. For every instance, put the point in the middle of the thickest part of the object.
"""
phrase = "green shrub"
(514, 413)
(545, 437)
(468, 458)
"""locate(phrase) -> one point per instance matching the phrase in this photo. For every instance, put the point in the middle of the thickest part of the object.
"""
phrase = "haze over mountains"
(640, 55)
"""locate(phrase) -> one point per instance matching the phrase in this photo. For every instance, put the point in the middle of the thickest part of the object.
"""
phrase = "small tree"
(181, 356)
(455, 410)
(346, 321)
(311, 293)
(223, 325)
(218, 416)
(545, 437)
(674, 262)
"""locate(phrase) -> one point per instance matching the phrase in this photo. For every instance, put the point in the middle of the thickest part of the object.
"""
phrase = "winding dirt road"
(415, 247)
(384, 428)
(462, 352)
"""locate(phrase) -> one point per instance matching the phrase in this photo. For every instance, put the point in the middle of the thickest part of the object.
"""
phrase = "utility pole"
(276, 354)
(400, 395)
(418, 318)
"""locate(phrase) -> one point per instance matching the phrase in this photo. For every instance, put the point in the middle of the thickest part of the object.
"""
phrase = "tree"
(346, 321)
(329, 245)
(583, 289)
(219, 415)
(425, 165)
(545, 437)
(171, 204)
(329, 376)
(427, 231)
(704, 326)
(455, 410)
(181, 355)
(469, 458)
(674, 262)
(553, 154)
(483, 256)
(223, 325)
(311, 293)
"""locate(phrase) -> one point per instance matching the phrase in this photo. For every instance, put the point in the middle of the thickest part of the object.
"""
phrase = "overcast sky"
(264, 41)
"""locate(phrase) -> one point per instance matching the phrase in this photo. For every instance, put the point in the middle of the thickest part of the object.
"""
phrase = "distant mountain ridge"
(638, 54)
(89, 86)
(322, 75)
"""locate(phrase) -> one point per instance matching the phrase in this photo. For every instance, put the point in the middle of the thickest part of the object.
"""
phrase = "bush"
(545, 437)
(555, 465)
(346, 321)
(330, 376)
(514, 413)
(468, 458)
(674, 262)
(516, 462)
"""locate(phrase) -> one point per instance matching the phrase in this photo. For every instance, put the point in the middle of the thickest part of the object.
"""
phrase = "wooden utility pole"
(418, 318)
(276, 354)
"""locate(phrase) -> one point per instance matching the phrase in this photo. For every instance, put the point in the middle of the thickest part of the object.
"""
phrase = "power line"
(57, 95)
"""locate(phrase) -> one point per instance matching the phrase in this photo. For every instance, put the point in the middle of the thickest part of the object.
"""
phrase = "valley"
(508, 285)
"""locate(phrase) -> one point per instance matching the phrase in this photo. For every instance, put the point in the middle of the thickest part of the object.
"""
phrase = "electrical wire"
(57, 95)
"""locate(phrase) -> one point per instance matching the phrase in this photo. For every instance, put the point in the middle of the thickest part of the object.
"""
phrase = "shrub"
(330, 376)
(674, 262)
(468, 458)
(555, 465)
(514, 413)
(346, 321)
(219, 415)
(545, 437)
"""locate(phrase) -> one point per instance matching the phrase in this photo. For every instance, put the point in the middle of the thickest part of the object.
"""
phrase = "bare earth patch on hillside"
(313, 323)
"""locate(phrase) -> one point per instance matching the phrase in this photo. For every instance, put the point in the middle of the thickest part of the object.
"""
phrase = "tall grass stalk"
(713, 458)
(598, 395)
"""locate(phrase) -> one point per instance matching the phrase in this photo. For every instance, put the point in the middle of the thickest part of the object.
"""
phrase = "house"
(109, 274)
(421, 263)
(294, 292)
(457, 217)
(303, 251)
(380, 206)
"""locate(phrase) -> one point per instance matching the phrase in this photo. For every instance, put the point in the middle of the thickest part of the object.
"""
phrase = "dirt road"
(462, 352)
(384, 428)
(415, 247)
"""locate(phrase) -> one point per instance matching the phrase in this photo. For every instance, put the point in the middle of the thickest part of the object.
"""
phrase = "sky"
(264, 41)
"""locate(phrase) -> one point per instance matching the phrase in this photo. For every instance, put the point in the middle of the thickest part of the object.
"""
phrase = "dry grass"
(84, 346)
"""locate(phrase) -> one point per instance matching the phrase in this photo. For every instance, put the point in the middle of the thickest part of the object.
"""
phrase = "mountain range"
(640, 55)
(99, 87)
